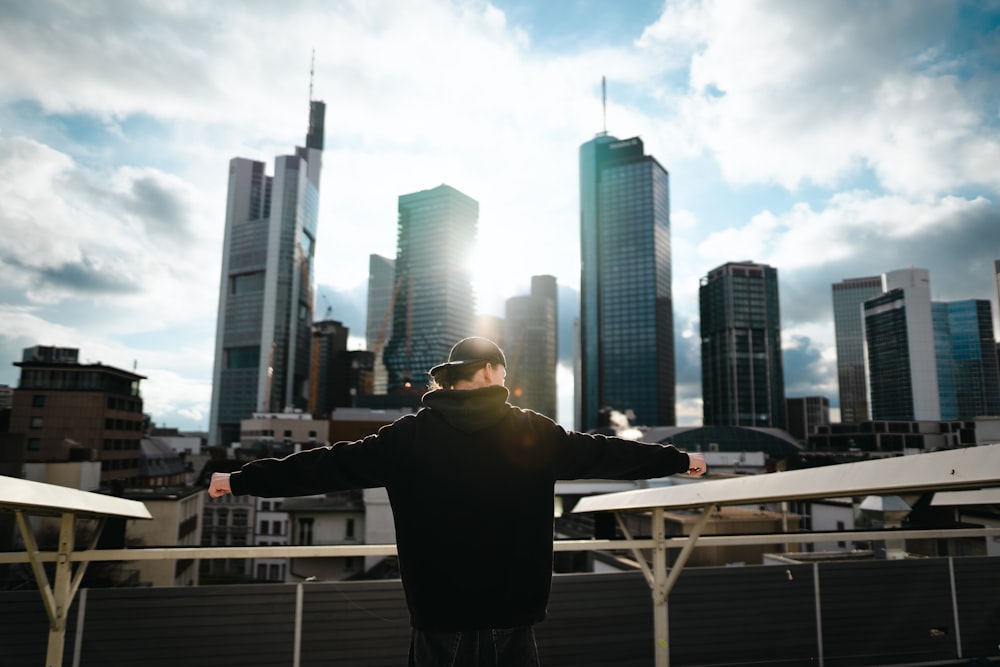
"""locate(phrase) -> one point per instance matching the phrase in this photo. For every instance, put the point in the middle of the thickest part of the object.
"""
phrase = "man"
(470, 479)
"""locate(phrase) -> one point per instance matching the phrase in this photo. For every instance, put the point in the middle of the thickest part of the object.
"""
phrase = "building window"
(306, 531)
(288, 434)
(349, 530)
(36, 422)
(38, 401)
(263, 527)
(265, 506)
(34, 444)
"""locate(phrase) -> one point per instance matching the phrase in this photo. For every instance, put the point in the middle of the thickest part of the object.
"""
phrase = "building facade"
(69, 411)
(626, 303)
(338, 375)
(378, 329)
(434, 305)
(805, 414)
(266, 289)
(531, 347)
(742, 373)
(900, 349)
(968, 380)
(848, 297)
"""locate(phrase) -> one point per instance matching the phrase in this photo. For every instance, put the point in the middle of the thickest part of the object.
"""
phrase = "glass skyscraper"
(968, 380)
(742, 375)
(848, 297)
(626, 306)
(901, 349)
(262, 342)
(434, 304)
(530, 345)
(381, 276)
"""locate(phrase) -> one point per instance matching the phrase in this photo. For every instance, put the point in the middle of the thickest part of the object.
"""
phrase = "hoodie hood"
(469, 410)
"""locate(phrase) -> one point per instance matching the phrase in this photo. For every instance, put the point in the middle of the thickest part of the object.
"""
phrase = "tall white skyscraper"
(262, 338)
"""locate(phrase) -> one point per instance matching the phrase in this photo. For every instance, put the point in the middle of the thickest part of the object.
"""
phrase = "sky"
(831, 140)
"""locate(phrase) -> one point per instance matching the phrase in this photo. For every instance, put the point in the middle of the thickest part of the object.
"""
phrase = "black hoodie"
(471, 481)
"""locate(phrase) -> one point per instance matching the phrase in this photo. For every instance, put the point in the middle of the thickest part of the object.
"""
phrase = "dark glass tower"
(626, 306)
(902, 340)
(434, 306)
(848, 299)
(742, 375)
(262, 340)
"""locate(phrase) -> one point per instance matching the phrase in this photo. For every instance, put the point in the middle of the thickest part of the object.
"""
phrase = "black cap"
(469, 351)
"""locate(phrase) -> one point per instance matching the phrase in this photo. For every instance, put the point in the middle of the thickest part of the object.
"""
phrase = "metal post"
(297, 648)
(663, 583)
(660, 620)
(61, 592)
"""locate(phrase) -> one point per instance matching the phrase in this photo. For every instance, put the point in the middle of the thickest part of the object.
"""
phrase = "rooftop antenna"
(604, 103)
(312, 67)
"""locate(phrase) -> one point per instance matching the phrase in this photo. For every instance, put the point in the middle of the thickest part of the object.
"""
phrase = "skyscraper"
(263, 333)
(434, 304)
(381, 278)
(848, 297)
(742, 376)
(530, 343)
(626, 304)
(968, 380)
(338, 375)
(900, 348)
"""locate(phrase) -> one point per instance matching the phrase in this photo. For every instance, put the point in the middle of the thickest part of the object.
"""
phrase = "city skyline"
(825, 158)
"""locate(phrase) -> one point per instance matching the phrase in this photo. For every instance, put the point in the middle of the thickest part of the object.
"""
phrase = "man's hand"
(220, 485)
(696, 465)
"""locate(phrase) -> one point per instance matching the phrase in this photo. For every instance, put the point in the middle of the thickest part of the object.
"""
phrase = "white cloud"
(796, 93)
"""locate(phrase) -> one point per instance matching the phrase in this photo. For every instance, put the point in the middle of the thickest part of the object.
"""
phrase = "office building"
(742, 373)
(968, 379)
(434, 305)
(531, 348)
(848, 297)
(266, 288)
(70, 411)
(338, 375)
(804, 415)
(381, 296)
(900, 348)
(626, 305)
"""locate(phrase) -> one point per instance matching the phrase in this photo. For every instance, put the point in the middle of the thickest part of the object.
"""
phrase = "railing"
(923, 611)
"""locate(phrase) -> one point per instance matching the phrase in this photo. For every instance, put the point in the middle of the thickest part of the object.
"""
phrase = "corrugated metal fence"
(920, 611)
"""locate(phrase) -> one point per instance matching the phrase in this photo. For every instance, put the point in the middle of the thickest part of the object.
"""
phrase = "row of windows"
(37, 422)
(114, 403)
(119, 464)
(119, 444)
(269, 433)
(122, 425)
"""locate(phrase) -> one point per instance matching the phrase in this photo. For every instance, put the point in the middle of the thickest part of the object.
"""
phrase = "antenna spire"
(312, 67)
(604, 103)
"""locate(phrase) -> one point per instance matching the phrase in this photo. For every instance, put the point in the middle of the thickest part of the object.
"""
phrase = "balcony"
(890, 612)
